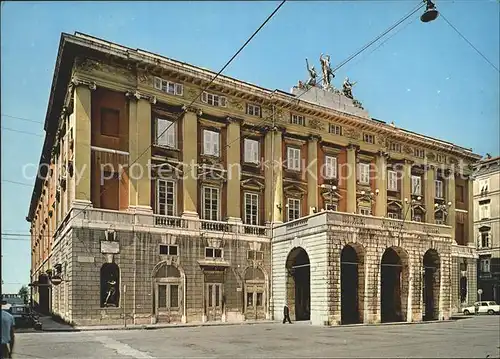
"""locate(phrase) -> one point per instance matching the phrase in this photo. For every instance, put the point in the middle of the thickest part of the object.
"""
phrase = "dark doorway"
(391, 293)
(431, 285)
(299, 284)
(110, 285)
(44, 294)
(349, 284)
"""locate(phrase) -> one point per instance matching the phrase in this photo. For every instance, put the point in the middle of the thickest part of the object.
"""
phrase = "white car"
(482, 308)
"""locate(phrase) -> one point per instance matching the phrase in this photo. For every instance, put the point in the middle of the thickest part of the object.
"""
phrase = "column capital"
(383, 154)
(76, 81)
(235, 120)
(192, 109)
(352, 146)
(316, 138)
(137, 95)
(407, 161)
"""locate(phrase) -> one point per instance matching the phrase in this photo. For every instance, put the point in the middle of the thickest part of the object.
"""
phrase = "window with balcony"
(392, 180)
(169, 250)
(440, 158)
(110, 122)
(293, 209)
(365, 211)
(211, 252)
(485, 240)
(213, 100)
(165, 133)
(293, 158)
(251, 208)
(255, 255)
(251, 148)
(418, 152)
(165, 197)
(335, 129)
(253, 110)
(297, 120)
(416, 185)
(417, 218)
(439, 189)
(364, 173)
(369, 138)
(393, 215)
(211, 143)
(330, 167)
(331, 207)
(483, 185)
(395, 147)
(169, 87)
(210, 203)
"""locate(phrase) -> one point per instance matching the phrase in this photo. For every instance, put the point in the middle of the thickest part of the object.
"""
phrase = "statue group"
(328, 76)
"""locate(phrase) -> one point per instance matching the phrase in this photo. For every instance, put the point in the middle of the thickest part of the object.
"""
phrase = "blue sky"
(425, 79)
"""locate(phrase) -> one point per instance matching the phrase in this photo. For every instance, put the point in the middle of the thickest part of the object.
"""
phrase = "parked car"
(482, 308)
(23, 316)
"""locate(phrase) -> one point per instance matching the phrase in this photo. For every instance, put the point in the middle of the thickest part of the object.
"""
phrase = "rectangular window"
(162, 296)
(168, 250)
(484, 211)
(484, 265)
(211, 143)
(298, 120)
(110, 122)
(260, 299)
(368, 138)
(253, 110)
(392, 180)
(418, 152)
(249, 299)
(395, 147)
(165, 133)
(365, 211)
(417, 218)
(293, 206)
(165, 197)
(174, 296)
(485, 240)
(330, 167)
(211, 252)
(483, 185)
(252, 208)
(335, 129)
(439, 220)
(364, 173)
(213, 100)
(293, 158)
(393, 215)
(439, 189)
(169, 87)
(416, 185)
(211, 203)
(440, 158)
(251, 148)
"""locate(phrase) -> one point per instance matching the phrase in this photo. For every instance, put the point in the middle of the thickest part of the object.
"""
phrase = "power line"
(16, 182)
(24, 132)
(21, 118)
(470, 43)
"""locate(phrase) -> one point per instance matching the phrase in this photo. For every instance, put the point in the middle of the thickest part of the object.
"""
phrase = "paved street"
(475, 337)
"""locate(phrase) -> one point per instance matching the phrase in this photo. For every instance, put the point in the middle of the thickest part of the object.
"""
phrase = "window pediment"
(252, 183)
(294, 191)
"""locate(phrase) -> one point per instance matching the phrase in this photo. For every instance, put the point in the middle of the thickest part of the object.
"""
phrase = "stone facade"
(323, 236)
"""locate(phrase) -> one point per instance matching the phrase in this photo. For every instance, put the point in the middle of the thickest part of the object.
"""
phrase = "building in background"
(487, 226)
(165, 200)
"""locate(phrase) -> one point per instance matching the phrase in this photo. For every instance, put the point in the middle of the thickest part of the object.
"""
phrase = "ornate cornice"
(137, 95)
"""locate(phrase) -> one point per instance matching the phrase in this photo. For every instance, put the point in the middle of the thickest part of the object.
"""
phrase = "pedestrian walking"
(286, 314)
(7, 331)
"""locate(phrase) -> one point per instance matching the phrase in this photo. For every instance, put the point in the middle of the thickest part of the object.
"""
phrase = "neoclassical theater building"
(164, 200)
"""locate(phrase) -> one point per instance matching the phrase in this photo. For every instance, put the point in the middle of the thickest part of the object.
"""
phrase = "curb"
(153, 327)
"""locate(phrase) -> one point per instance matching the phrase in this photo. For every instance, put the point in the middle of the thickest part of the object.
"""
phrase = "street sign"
(56, 280)
(479, 291)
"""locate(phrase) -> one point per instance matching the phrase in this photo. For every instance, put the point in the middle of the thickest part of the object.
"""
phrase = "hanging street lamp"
(430, 13)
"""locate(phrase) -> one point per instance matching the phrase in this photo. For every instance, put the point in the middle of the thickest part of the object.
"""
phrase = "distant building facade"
(487, 226)
(200, 234)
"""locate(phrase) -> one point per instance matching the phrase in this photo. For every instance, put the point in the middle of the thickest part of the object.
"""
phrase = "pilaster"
(233, 155)
(351, 179)
(278, 205)
(190, 159)
(450, 198)
(406, 189)
(312, 172)
(139, 150)
(470, 214)
(381, 185)
(430, 193)
(82, 157)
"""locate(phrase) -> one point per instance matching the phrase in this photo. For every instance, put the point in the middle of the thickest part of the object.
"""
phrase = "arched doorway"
(298, 293)
(255, 294)
(393, 285)
(352, 284)
(168, 292)
(431, 285)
